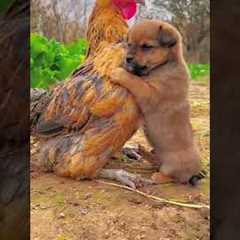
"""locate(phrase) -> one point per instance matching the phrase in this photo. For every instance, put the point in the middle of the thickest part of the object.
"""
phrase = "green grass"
(52, 61)
(199, 70)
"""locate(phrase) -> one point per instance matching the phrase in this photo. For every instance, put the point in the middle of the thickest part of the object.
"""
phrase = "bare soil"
(64, 209)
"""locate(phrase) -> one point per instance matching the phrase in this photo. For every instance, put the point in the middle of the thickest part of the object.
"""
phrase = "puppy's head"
(150, 44)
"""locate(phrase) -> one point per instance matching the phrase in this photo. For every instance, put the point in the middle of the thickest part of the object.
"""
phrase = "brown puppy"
(158, 78)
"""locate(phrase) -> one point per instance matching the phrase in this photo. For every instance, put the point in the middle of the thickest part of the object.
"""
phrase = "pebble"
(61, 215)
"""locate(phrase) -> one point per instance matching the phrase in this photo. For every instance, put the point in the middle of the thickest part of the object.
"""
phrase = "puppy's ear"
(166, 39)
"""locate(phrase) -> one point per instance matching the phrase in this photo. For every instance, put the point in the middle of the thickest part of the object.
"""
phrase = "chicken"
(14, 123)
(89, 119)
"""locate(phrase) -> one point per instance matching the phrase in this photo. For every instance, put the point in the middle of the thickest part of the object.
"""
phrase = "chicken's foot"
(129, 179)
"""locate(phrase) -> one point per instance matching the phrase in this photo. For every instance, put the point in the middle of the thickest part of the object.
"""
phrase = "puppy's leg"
(140, 89)
(165, 174)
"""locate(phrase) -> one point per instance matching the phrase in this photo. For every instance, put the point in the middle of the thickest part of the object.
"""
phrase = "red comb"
(127, 8)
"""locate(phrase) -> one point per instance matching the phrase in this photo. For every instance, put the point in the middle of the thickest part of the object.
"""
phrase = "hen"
(88, 118)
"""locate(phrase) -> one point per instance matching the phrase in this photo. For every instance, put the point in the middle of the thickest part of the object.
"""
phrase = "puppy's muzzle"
(132, 66)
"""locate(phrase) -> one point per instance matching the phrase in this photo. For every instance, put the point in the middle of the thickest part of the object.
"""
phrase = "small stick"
(187, 205)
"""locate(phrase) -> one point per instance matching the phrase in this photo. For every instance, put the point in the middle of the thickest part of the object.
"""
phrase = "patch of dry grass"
(199, 98)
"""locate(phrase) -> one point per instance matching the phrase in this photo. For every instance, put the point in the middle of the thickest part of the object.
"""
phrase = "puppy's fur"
(157, 76)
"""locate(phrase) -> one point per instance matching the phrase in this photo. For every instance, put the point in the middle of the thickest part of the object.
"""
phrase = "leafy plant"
(52, 61)
(199, 70)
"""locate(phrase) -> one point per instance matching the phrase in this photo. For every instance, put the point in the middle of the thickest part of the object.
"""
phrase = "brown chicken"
(88, 119)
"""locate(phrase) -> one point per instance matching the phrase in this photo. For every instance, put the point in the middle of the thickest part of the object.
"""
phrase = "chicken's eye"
(147, 47)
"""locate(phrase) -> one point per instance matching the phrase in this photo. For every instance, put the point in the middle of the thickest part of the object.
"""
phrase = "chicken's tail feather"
(39, 100)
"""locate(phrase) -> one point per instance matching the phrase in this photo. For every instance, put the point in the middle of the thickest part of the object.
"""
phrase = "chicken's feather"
(88, 95)
(105, 25)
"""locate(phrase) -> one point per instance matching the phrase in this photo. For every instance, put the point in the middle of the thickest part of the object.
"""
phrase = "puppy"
(156, 74)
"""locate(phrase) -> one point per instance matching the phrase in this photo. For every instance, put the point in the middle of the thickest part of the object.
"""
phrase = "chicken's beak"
(142, 2)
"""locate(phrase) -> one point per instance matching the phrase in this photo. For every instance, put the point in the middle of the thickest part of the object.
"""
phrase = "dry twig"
(162, 200)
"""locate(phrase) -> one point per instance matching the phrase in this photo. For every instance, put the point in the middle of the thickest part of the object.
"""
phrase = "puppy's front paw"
(118, 75)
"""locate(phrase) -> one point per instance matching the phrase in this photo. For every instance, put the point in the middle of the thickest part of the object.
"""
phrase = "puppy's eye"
(129, 45)
(147, 47)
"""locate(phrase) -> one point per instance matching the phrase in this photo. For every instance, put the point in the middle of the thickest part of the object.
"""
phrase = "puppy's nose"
(129, 58)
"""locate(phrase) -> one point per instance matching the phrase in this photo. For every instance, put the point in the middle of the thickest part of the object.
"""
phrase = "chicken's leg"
(129, 179)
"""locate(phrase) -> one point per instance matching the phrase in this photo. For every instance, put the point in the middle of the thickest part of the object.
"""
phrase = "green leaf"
(199, 70)
(52, 61)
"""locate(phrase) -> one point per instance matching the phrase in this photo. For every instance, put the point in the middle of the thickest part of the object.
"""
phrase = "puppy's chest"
(157, 124)
(153, 123)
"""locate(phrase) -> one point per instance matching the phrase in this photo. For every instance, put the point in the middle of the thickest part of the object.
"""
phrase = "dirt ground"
(64, 209)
